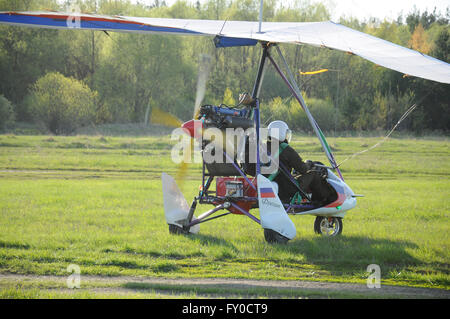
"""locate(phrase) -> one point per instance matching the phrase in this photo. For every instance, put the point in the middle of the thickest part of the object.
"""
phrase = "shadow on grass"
(14, 245)
(208, 240)
(223, 251)
(237, 290)
(352, 253)
(337, 254)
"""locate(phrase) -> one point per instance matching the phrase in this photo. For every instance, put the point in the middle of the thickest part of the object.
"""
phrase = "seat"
(219, 168)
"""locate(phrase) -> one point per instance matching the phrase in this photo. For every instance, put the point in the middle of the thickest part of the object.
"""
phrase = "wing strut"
(293, 87)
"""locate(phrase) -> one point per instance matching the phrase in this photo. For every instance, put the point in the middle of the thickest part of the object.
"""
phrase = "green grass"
(96, 201)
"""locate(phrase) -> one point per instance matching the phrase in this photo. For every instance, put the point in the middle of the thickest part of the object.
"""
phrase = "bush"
(291, 112)
(6, 113)
(324, 113)
(62, 104)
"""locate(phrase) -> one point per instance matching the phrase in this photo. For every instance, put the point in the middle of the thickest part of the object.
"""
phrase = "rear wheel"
(328, 226)
(177, 230)
(274, 237)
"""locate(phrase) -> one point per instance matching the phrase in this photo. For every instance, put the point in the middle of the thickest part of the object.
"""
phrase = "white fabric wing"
(323, 34)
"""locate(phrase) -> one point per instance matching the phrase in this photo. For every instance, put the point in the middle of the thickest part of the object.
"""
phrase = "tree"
(62, 104)
(6, 113)
(419, 40)
(442, 45)
(436, 96)
(134, 72)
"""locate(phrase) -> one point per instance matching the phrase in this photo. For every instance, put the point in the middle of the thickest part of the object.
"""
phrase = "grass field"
(96, 201)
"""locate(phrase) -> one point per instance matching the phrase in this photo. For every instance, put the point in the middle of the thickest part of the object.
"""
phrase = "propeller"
(161, 117)
(204, 69)
(164, 118)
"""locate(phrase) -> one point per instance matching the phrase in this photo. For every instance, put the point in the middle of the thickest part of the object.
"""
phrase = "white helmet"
(280, 131)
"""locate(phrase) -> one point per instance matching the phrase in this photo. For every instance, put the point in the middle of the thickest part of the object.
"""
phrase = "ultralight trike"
(238, 192)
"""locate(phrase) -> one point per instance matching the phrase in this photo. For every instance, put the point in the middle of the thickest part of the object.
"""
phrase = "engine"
(221, 117)
(224, 117)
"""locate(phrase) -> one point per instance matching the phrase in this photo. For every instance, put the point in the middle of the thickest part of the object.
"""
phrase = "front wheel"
(328, 226)
(274, 237)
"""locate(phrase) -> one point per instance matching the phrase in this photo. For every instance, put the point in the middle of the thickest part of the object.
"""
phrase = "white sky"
(361, 9)
(382, 9)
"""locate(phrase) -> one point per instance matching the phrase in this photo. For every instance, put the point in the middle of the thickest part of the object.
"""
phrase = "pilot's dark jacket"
(309, 181)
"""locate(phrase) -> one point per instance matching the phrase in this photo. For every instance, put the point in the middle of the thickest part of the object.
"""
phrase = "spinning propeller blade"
(204, 69)
(158, 116)
(164, 118)
(161, 117)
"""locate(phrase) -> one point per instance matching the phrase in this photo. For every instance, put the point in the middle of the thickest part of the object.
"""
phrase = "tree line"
(64, 79)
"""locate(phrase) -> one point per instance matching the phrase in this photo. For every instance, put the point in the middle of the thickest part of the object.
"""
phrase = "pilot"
(310, 181)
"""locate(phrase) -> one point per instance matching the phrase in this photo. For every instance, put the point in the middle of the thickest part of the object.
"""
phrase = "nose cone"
(193, 128)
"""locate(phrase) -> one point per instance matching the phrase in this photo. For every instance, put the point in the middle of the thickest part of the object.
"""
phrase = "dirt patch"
(270, 286)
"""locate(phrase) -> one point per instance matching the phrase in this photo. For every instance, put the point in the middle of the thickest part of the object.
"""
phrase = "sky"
(382, 9)
(385, 9)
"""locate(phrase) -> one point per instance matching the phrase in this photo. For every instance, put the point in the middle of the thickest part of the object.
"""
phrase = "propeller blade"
(184, 165)
(204, 69)
(159, 116)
